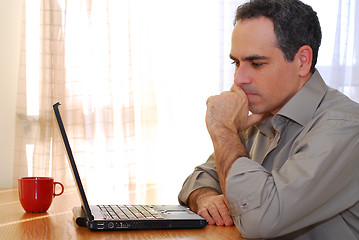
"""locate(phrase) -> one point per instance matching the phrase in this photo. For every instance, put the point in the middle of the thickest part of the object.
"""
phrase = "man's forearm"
(227, 149)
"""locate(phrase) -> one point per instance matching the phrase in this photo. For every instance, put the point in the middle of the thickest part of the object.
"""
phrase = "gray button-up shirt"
(302, 183)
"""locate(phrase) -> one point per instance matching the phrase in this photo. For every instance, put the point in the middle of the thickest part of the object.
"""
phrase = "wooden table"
(58, 223)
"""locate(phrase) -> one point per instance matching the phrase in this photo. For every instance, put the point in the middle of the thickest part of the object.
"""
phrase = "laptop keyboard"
(129, 212)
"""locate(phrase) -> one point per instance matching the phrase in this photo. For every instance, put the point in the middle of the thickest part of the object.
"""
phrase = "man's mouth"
(251, 94)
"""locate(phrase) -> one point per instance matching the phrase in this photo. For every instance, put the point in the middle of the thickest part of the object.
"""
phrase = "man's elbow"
(253, 227)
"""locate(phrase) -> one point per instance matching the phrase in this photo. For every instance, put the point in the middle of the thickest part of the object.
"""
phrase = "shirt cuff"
(244, 185)
(196, 181)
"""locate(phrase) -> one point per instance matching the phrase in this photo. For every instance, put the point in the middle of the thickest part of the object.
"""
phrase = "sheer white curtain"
(133, 78)
(338, 55)
(345, 63)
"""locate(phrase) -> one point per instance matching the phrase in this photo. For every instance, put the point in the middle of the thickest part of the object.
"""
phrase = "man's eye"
(236, 63)
(255, 64)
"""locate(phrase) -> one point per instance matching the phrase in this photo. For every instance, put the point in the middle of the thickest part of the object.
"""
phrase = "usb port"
(100, 225)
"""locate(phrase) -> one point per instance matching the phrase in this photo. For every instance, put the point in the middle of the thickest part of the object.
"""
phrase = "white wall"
(10, 29)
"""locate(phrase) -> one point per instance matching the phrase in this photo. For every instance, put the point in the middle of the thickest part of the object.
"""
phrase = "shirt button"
(244, 205)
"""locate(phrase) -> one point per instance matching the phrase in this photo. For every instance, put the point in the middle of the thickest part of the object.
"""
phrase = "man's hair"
(295, 24)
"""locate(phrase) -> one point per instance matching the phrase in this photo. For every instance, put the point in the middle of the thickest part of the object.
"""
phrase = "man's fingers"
(204, 213)
(208, 100)
(211, 99)
(235, 88)
(215, 211)
(212, 216)
(226, 218)
(216, 215)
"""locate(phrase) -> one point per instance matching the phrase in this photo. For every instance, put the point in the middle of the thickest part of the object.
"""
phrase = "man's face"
(261, 69)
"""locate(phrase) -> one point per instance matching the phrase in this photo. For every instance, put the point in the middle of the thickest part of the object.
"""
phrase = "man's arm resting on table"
(211, 205)
(258, 198)
(198, 195)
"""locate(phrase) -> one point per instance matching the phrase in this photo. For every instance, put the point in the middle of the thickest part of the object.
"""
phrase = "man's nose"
(241, 76)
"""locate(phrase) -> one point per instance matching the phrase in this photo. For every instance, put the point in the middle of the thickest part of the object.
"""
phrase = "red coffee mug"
(36, 193)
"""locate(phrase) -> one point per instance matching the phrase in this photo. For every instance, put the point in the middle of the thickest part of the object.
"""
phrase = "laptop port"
(110, 225)
(122, 225)
(100, 225)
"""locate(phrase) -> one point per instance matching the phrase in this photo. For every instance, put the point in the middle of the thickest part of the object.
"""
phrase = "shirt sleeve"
(204, 176)
(318, 181)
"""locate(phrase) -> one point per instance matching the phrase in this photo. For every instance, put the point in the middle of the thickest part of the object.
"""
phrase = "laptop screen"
(72, 162)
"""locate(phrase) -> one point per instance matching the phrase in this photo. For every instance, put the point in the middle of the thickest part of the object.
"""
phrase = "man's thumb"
(255, 118)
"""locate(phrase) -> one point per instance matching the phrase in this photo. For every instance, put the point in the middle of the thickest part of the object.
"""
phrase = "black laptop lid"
(75, 172)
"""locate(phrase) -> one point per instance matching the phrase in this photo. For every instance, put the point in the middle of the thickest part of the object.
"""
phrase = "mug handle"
(62, 189)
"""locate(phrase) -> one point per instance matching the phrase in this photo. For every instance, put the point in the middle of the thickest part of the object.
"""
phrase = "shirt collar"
(302, 106)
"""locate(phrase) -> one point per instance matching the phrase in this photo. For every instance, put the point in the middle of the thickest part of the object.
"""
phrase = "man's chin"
(253, 109)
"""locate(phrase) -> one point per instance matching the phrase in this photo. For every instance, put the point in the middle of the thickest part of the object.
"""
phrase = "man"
(291, 168)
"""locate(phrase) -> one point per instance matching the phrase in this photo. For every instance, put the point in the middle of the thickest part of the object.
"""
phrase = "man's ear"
(305, 57)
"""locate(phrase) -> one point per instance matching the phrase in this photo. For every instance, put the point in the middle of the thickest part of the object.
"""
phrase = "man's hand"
(230, 111)
(211, 205)
(227, 115)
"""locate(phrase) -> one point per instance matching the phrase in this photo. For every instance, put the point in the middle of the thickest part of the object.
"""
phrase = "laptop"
(126, 217)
